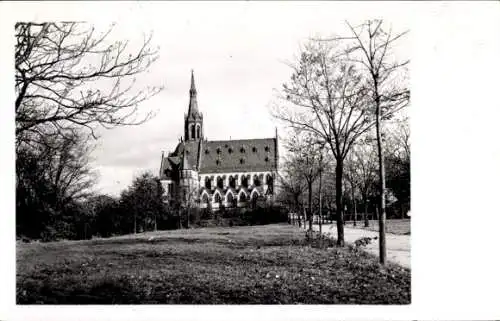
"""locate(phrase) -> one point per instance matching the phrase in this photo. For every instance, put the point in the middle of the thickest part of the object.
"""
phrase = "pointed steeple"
(192, 90)
(193, 103)
(193, 122)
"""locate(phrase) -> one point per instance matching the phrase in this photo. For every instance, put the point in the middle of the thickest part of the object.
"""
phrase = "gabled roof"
(243, 155)
(222, 156)
(188, 151)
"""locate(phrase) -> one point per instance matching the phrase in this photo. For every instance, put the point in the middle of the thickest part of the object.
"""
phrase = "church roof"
(220, 156)
(188, 150)
(245, 155)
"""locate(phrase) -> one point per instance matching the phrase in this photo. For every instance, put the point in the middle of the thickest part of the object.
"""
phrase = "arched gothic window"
(208, 183)
(204, 199)
(198, 131)
(232, 182)
(256, 180)
(192, 132)
(230, 199)
(244, 181)
(253, 199)
(243, 197)
(220, 182)
(217, 198)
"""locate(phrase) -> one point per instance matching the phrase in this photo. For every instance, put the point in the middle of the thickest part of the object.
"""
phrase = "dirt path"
(398, 246)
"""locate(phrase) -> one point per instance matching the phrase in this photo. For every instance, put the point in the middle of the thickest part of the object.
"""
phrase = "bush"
(245, 216)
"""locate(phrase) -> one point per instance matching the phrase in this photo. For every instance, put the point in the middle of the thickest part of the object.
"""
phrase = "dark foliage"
(260, 215)
(62, 70)
(52, 181)
(398, 181)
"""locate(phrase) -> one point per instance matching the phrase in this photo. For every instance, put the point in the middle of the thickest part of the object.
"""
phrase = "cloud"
(236, 51)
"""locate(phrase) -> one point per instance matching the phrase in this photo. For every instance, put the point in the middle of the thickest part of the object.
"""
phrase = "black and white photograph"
(200, 200)
(219, 153)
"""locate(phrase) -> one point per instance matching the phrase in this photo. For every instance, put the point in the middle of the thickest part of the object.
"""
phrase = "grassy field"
(392, 226)
(272, 264)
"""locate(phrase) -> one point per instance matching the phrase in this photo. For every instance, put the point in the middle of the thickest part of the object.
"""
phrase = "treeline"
(348, 135)
(308, 180)
(70, 81)
(54, 201)
(138, 209)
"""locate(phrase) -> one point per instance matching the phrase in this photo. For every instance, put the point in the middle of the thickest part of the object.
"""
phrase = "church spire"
(193, 122)
(193, 103)
(192, 90)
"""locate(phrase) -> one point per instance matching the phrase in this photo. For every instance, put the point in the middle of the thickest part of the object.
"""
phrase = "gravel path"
(398, 246)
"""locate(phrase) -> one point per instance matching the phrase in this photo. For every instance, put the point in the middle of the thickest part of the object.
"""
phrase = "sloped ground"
(271, 264)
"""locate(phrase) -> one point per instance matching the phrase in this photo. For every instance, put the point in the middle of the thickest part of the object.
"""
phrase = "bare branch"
(67, 75)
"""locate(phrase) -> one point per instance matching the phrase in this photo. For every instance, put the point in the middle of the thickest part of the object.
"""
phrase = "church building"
(219, 173)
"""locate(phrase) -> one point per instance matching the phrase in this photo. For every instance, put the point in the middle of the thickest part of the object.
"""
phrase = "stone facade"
(229, 173)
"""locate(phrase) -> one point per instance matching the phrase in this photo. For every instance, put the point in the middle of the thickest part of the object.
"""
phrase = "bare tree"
(68, 164)
(327, 97)
(68, 75)
(397, 146)
(322, 166)
(362, 166)
(399, 139)
(65, 163)
(352, 178)
(291, 189)
(51, 180)
(371, 46)
(306, 162)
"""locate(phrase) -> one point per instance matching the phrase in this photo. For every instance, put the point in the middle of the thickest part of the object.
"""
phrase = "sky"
(238, 52)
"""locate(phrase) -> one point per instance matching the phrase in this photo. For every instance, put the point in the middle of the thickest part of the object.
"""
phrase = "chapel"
(218, 173)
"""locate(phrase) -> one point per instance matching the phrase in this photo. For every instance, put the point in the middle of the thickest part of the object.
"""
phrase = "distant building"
(229, 173)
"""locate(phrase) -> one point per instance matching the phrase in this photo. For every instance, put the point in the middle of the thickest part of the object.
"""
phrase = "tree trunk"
(365, 200)
(354, 204)
(309, 207)
(381, 219)
(297, 211)
(135, 223)
(304, 214)
(320, 201)
(338, 202)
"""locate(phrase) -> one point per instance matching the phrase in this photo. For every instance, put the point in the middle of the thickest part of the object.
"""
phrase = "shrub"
(246, 216)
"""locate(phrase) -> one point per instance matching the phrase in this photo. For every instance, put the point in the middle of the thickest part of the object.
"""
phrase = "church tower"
(193, 121)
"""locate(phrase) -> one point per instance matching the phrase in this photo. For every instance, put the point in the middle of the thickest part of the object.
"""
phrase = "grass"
(394, 226)
(272, 264)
